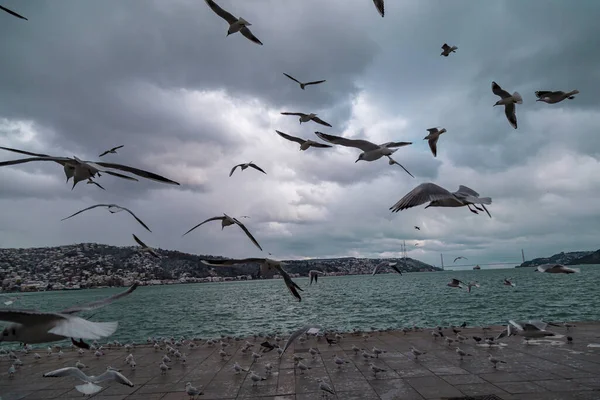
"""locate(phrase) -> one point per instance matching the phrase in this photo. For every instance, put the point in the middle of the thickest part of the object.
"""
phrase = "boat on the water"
(477, 267)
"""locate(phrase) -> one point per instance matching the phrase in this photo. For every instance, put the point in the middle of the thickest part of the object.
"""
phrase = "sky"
(162, 78)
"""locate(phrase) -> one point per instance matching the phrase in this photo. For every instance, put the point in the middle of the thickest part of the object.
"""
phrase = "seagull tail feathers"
(517, 97)
(485, 200)
(572, 93)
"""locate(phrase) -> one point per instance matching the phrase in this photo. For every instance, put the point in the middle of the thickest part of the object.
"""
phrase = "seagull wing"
(203, 222)
(220, 12)
(60, 160)
(364, 145)
(433, 145)
(401, 166)
(498, 91)
(105, 153)
(117, 148)
(68, 371)
(314, 82)
(291, 285)
(246, 32)
(96, 183)
(233, 169)
(320, 121)
(423, 193)
(292, 78)
(379, 6)
(114, 376)
(85, 209)
(247, 232)
(73, 326)
(219, 263)
(518, 326)
(321, 145)
(535, 325)
(144, 174)
(543, 93)
(376, 269)
(24, 152)
(144, 245)
(291, 138)
(29, 317)
(395, 144)
(291, 113)
(395, 267)
(100, 303)
(511, 114)
(296, 334)
(13, 13)
(136, 218)
(468, 191)
(445, 47)
(257, 168)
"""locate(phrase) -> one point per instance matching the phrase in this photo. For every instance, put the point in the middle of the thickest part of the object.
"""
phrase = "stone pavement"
(540, 371)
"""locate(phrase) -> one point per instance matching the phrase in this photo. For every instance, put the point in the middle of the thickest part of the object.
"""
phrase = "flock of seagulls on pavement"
(31, 326)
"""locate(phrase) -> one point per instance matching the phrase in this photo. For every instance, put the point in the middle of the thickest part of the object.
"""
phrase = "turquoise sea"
(388, 300)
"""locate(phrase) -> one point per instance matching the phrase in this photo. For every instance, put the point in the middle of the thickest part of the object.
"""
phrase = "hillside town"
(90, 265)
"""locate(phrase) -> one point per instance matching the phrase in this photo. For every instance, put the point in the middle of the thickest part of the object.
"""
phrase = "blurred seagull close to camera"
(90, 386)
(551, 97)
(235, 24)
(145, 248)
(11, 12)
(508, 101)
(380, 7)
(556, 269)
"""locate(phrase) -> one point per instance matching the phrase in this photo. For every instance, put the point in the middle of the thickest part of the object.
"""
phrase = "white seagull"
(437, 196)
(554, 269)
(448, 49)
(529, 329)
(325, 387)
(508, 101)
(113, 209)
(243, 166)
(550, 97)
(432, 137)
(456, 283)
(145, 247)
(303, 85)
(192, 391)
(235, 24)
(226, 220)
(379, 6)
(307, 117)
(90, 386)
(371, 151)
(111, 151)
(314, 275)
(392, 265)
(296, 334)
(305, 144)
(267, 266)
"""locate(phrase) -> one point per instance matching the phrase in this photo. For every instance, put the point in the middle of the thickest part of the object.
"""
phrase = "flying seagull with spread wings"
(303, 85)
(226, 220)
(112, 151)
(460, 258)
(145, 248)
(305, 144)
(314, 275)
(448, 49)
(550, 97)
(235, 24)
(11, 12)
(267, 267)
(456, 283)
(307, 117)
(296, 334)
(83, 170)
(437, 196)
(113, 209)
(556, 269)
(432, 138)
(392, 265)
(32, 326)
(246, 165)
(508, 101)
(379, 6)
(89, 387)
(371, 151)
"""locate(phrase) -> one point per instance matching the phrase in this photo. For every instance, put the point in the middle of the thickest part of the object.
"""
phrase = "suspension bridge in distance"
(515, 263)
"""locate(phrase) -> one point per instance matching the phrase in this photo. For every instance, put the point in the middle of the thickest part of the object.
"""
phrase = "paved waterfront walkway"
(534, 372)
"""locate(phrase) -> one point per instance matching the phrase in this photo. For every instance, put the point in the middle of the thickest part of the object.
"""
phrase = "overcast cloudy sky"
(162, 78)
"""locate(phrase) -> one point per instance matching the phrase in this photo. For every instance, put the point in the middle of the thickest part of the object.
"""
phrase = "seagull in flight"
(448, 49)
(417, 228)
(113, 209)
(13, 13)
(432, 137)
(460, 258)
(305, 144)
(89, 387)
(392, 265)
(508, 101)
(145, 247)
(303, 85)
(32, 326)
(296, 334)
(226, 220)
(246, 165)
(456, 283)
(529, 329)
(235, 24)
(508, 282)
(550, 97)
(314, 275)
(267, 266)
(307, 117)
(371, 151)
(111, 151)
(379, 6)
(556, 269)
(471, 284)
(437, 196)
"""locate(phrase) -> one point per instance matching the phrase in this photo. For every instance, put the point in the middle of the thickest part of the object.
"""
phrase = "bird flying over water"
(246, 165)
(113, 209)
(460, 258)
(145, 247)
(379, 6)
(303, 85)
(307, 117)
(550, 97)
(437, 196)
(392, 265)
(508, 101)
(305, 144)
(432, 138)
(448, 49)
(508, 282)
(556, 269)
(112, 151)
(456, 283)
(314, 275)
(90, 386)
(235, 24)
(226, 220)
(267, 266)
(13, 13)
